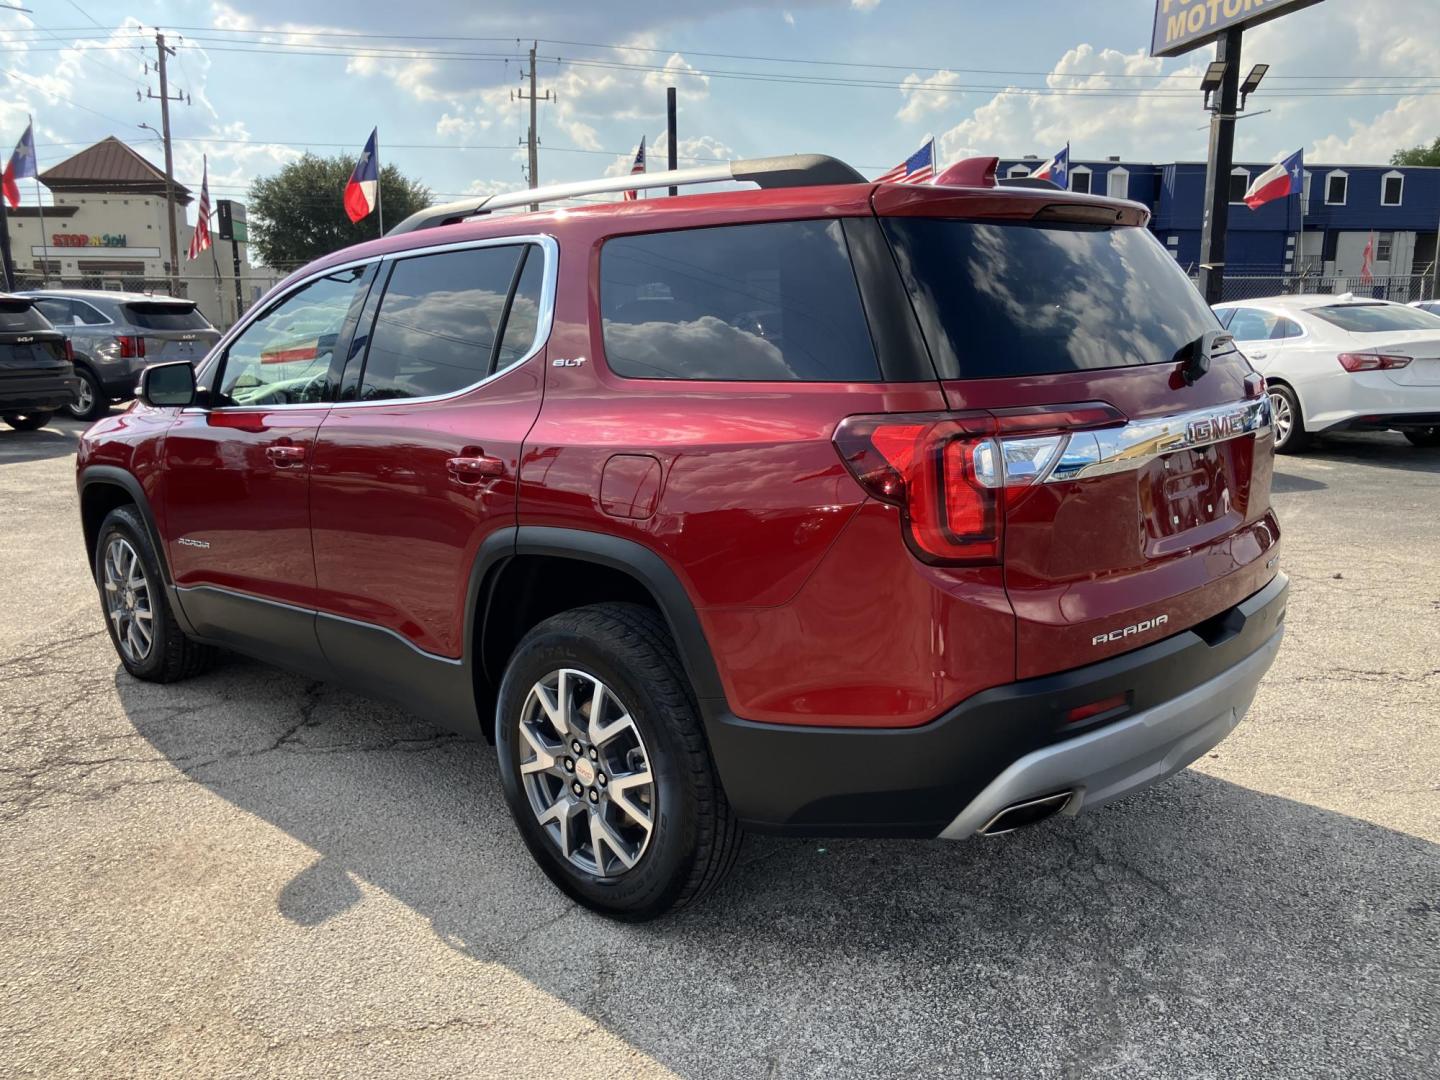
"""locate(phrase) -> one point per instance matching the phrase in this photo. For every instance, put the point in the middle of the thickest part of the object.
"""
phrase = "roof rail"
(791, 170)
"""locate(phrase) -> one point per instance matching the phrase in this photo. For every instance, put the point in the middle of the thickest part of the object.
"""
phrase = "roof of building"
(110, 167)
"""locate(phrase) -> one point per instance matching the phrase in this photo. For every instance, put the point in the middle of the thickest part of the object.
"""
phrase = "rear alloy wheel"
(1426, 437)
(90, 400)
(1290, 434)
(605, 765)
(28, 421)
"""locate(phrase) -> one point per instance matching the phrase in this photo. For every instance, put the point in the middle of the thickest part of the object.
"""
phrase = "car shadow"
(51, 441)
(1384, 449)
(1198, 928)
(1282, 483)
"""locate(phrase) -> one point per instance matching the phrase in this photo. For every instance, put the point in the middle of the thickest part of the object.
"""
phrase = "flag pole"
(379, 199)
(39, 207)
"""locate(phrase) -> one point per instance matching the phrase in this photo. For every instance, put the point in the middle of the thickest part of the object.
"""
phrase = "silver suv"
(115, 335)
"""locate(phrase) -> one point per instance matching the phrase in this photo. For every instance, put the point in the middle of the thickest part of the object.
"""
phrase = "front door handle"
(284, 456)
(1253, 355)
(474, 468)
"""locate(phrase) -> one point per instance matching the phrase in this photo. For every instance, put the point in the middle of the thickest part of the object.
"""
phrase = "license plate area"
(1189, 496)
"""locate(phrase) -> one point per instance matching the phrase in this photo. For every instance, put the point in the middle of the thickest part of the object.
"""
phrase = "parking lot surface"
(252, 875)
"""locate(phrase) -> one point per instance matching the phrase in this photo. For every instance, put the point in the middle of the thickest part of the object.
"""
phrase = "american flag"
(201, 238)
(638, 167)
(918, 168)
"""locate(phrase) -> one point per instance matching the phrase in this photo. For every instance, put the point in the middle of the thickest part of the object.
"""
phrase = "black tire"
(171, 655)
(1297, 439)
(1424, 437)
(694, 837)
(32, 421)
(98, 404)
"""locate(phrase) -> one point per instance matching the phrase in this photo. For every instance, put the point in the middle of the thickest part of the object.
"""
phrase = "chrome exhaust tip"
(1030, 812)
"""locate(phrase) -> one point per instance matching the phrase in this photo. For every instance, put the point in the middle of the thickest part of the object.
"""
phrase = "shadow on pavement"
(1200, 928)
(1283, 483)
(1385, 449)
(49, 442)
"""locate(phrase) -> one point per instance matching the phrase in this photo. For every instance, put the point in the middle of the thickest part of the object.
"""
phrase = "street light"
(1212, 78)
(1252, 82)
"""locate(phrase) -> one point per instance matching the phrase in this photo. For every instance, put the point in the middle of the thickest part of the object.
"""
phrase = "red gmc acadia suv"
(828, 508)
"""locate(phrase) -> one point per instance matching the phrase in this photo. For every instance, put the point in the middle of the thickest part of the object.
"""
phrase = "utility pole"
(1217, 176)
(163, 50)
(532, 138)
(672, 151)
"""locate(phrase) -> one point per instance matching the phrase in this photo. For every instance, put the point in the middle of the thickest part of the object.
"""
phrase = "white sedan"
(1338, 362)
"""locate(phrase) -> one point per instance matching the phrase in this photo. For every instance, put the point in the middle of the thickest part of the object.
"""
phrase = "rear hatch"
(33, 356)
(172, 329)
(1391, 330)
(1132, 503)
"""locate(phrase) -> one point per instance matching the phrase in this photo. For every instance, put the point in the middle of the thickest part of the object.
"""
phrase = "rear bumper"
(1009, 744)
(41, 393)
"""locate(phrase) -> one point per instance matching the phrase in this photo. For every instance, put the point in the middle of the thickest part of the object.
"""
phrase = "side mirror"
(167, 386)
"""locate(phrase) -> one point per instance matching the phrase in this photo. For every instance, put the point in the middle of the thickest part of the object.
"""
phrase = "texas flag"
(1278, 181)
(362, 192)
(20, 165)
(1056, 170)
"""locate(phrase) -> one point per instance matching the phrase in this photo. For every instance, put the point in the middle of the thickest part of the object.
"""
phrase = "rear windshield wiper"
(1194, 357)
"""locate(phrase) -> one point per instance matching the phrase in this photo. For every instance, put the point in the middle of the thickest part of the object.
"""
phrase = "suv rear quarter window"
(769, 301)
(20, 316)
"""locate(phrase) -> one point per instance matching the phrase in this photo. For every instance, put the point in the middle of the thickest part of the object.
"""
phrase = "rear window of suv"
(166, 317)
(19, 316)
(769, 301)
(999, 300)
(1376, 318)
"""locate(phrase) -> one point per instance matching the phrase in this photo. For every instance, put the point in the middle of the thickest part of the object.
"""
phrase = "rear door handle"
(284, 456)
(474, 468)
(1257, 355)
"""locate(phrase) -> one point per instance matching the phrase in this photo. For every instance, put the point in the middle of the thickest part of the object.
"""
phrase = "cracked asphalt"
(251, 875)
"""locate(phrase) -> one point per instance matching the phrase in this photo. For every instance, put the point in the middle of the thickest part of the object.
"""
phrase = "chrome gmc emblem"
(1214, 428)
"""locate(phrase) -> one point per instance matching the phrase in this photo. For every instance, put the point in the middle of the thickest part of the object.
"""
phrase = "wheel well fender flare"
(627, 556)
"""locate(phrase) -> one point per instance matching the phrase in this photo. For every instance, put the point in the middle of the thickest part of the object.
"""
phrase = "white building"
(106, 230)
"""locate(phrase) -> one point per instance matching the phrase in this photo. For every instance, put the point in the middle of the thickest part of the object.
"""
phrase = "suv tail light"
(952, 474)
(1352, 361)
(132, 346)
(69, 351)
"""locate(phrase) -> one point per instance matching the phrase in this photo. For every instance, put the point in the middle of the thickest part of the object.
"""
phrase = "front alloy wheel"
(127, 600)
(586, 772)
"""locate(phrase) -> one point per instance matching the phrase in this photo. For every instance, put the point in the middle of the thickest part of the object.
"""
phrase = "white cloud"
(926, 93)
(864, 5)
(789, 18)
(1147, 128)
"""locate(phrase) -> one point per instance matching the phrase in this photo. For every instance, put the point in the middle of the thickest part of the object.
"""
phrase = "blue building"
(1342, 206)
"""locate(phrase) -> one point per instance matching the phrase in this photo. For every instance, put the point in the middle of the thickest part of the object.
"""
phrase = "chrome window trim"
(321, 615)
(543, 325)
(1134, 445)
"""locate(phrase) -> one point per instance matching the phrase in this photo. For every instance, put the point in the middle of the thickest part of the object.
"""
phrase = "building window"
(1016, 171)
(1337, 186)
(1305, 191)
(1080, 179)
(1392, 188)
(1117, 184)
(1239, 184)
(1383, 243)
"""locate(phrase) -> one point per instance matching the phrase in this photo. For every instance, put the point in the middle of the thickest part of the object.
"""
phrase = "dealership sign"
(107, 240)
(1182, 25)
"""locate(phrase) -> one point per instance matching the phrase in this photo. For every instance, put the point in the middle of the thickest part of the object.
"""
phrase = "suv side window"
(284, 356)
(769, 301)
(437, 326)
(59, 312)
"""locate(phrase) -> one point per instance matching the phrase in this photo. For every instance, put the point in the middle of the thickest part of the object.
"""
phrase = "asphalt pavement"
(252, 875)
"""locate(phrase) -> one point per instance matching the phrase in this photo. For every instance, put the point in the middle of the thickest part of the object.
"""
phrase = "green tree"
(1418, 155)
(299, 213)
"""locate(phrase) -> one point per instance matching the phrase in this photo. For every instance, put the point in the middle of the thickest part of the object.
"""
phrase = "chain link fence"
(1402, 288)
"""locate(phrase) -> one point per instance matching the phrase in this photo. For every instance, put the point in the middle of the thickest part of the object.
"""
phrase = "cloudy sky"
(865, 80)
